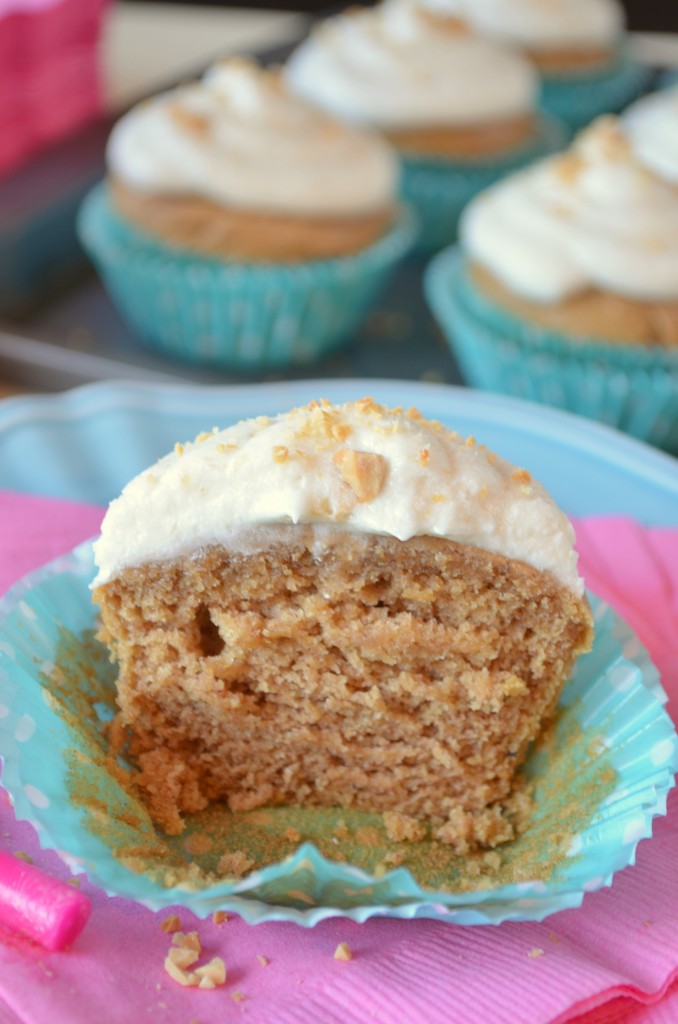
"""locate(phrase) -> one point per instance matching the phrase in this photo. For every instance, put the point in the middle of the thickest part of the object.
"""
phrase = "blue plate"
(87, 443)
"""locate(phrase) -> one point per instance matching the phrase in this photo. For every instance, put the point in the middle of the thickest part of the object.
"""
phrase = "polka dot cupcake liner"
(438, 189)
(239, 316)
(576, 99)
(611, 726)
(633, 388)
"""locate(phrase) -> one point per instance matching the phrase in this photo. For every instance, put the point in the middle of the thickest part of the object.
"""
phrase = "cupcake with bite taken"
(241, 227)
(460, 109)
(577, 46)
(564, 288)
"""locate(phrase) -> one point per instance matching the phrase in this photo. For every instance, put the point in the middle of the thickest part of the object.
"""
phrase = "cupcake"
(565, 286)
(241, 227)
(459, 108)
(341, 606)
(578, 47)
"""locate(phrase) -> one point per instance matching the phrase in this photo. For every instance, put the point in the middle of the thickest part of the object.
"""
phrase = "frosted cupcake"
(565, 287)
(578, 46)
(241, 227)
(460, 109)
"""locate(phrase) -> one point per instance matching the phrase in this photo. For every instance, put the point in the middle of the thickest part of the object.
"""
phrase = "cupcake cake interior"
(342, 606)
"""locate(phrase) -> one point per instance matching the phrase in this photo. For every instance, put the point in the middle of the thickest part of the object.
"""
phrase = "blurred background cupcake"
(239, 226)
(460, 108)
(565, 287)
(578, 47)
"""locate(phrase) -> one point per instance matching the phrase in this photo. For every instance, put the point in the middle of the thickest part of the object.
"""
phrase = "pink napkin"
(622, 942)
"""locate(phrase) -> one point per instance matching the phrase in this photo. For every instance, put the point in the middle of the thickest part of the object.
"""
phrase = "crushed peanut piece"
(182, 958)
(425, 456)
(212, 974)
(343, 952)
(470, 441)
(366, 405)
(238, 997)
(280, 453)
(437, 498)
(521, 476)
(263, 960)
(186, 978)
(413, 413)
(534, 953)
(190, 119)
(187, 940)
(171, 924)
(340, 431)
(203, 436)
(569, 166)
(179, 449)
(219, 916)
(364, 472)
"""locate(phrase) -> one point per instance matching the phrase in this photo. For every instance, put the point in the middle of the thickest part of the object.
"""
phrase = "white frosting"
(596, 216)
(397, 67)
(240, 137)
(225, 487)
(652, 126)
(539, 25)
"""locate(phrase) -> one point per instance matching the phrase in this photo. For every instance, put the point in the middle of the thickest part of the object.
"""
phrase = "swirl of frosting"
(538, 25)
(597, 216)
(240, 138)
(652, 126)
(357, 467)
(397, 66)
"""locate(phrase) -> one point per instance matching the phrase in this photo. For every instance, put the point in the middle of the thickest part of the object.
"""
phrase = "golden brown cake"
(341, 606)
(236, 167)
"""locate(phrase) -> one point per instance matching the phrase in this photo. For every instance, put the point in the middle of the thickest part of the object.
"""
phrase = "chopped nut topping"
(425, 456)
(343, 952)
(190, 119)
(178, 974)
(535, 953)
(202, 437)
(280, 453)
(521, 476)
(238, 997)
(413, 413)
(364, 472)
(340, 431)
(219, 916)
(182, 958)
(437, 498)
(171, 924)
(263, 960)
(187, 940)
(568, 167)
(470, 441)
(212, 974)
(179, 449)
(366, 405)
(221, 448)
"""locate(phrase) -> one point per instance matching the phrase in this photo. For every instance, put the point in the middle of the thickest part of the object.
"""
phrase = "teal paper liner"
(631, 387)
(577, 98)
(438, 189)
(241, 316)
(612, 695)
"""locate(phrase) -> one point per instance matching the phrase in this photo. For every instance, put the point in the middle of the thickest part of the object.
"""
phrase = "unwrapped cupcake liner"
(438, 188)
(613, 705)
(576, 98)
(241, 316)
(631, 387)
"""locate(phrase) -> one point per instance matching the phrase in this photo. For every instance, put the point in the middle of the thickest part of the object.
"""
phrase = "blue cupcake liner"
(613, 700)
(438, 189)
(576, 98)
(240, 316)
(631, 387)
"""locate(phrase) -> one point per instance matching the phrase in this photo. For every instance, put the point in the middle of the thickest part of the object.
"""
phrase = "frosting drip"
(357, 467)
(597, 216)
(539, 24)
(240, 138)
(398, 67)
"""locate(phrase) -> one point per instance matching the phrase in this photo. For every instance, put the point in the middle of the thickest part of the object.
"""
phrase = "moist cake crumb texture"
(403, 677)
